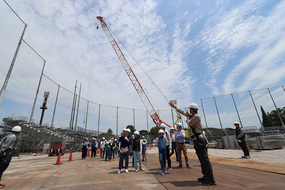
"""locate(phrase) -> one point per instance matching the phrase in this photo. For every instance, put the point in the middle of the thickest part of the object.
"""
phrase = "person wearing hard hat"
(168, 145)
(85, 146)
(161, 144)
(143, 145)
(136, 151)
(113, 146)
(102, 147)
(93, 148)
(180, 140)
(200, 143)
(7, 146)
(173, 143)
(240, 137)
(108, 151)
(124, 144)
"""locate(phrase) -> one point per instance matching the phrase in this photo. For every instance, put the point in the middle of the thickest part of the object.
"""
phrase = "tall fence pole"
(117, 122)
(86, 120)
(99, 118)
(134, 118)
(262, 127)
(283, 88)
(147, 122)
(279, 115)
(205, 118)
(73, 108)
(75, 127)
(221, 121)
(237, 110)
(3, 89)
(54, 109)
(37, 92)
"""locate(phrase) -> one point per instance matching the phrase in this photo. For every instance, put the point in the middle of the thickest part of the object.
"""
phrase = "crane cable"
(140, 67)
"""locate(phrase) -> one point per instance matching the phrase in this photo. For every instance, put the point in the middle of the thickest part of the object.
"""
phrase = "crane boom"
(150, 109)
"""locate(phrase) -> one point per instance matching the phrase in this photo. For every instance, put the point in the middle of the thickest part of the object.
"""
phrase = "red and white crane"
(153, 114)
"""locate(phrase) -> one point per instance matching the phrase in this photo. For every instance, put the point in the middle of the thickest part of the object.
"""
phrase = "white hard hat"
(103, 138)
(93, 138)
(162, 125)
(143, 137)
(16, 129)
(128, 130)
(112, 138)
(115, 139)
(194, 106)
(160, 131)
(85, 138)
(124, 129)
(180, 124)
(136, 133)
(236, 123)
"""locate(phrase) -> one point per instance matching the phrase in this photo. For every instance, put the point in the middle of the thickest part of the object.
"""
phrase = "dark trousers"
(122, 157)
(84, 153)
(3, 167)
(162, 159)
(206, 166)
(174, 148)
(93, 153)
(244, 148)
(168, 156)
(102, 152)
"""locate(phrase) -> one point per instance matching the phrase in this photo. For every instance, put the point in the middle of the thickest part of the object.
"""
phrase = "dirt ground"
(39, 172)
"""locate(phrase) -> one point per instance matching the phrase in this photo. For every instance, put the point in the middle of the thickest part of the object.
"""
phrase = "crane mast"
(150, 109)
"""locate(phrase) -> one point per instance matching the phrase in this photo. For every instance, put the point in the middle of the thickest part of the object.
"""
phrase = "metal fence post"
(54, 109)
(117, 122)
(73, 108)
(86, 120)
(205, 118)
(134, 118)
(75, 127)
(221, 121)
(262, 127)
(276, 108)
(99, 118)
(147, 122)
(237, 110)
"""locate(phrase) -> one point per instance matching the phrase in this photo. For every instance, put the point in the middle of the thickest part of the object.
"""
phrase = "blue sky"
(191, 49)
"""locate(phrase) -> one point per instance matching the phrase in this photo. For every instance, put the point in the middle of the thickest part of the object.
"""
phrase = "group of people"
(108, 148)
(131, 145)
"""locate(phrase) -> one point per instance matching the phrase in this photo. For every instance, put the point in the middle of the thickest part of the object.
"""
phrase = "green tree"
(153, 131)
(143, 132)
(132, 128)
(110, 132)
(274, 118)
(265, 120)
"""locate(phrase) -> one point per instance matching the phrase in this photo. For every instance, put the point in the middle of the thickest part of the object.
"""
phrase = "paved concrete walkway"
(95, 173)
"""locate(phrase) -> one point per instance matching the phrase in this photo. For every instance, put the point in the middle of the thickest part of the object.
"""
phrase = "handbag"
(124, 150)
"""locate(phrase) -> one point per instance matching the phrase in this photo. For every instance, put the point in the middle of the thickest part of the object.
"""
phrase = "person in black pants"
(174, 145)
(7, 145)
(94, 148)
(200, 143)
(240, 137)
(85, 145)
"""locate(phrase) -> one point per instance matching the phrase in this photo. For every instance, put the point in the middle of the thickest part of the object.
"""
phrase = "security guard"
(6, 150)
(240, 137)
(200, 143)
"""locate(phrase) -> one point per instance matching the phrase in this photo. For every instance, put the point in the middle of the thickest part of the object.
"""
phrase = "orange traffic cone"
(88, 154)
(58, 160)
(70, 156)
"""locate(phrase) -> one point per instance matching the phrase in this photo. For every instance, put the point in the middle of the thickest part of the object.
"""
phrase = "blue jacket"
(161, 143)
(93, 144)
(108, 149)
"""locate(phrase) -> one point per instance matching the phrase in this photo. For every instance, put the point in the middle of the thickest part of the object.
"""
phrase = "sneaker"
(166, 172)
(141, 169)
(247, 157)
(169, 168)
(119, 171)
(202, 179)
(127, 170)
(243, 157)
(137, 170)
(142, 160)
(188, 166)
(113, 159)
(162, 173)
(180, 166)
(110, 160)
(2, 186)
(209, 183)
